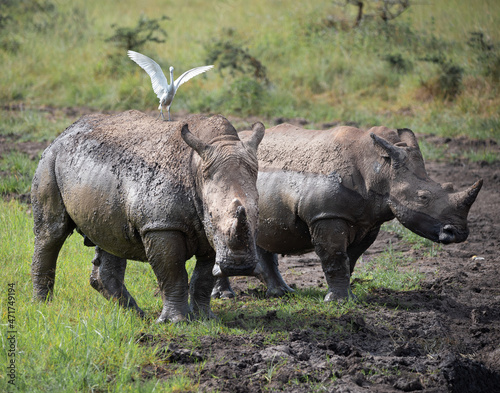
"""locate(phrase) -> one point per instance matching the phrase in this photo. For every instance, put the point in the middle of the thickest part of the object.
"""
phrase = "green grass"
(33, 125)
(18, 169)
(317, 66)
(410, 238)
(82, 342)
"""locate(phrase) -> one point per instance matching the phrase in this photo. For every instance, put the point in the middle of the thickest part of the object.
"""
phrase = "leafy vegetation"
(133, 38)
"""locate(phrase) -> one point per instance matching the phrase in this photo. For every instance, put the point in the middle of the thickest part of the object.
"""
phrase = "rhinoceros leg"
(166, 252)
(52, 225)
(266, 271)
(355, 251)
(222, 289)
(330, 239)
(43, 267)
(108, 277)
(200, 287)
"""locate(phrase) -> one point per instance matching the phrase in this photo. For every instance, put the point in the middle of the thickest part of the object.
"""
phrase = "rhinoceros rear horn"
(466, 198)
(395, 153)
(258, 133)
(192, 140)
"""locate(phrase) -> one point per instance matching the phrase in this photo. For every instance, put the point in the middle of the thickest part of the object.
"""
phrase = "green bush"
(487, 54)
(230, 56)
(447, 84)
(450, 80)
(134, 38)
(398, 62)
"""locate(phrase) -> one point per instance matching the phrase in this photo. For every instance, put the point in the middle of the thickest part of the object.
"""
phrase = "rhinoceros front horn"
(238, 233)
(395, 153)
(466, 198)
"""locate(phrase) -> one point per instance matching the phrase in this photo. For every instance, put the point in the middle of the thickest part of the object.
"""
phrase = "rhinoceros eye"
(424, 197)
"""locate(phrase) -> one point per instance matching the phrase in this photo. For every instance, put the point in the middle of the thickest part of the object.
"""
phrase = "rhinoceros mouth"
(450, 234)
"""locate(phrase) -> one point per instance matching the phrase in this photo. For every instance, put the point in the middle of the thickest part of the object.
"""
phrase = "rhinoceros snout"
(450, 234)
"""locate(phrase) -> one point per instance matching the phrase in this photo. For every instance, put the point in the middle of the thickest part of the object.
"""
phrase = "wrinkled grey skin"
(149, 191)
(330, 191)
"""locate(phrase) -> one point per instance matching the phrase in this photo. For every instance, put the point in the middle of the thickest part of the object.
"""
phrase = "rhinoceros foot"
(278, 291)
(198, 313)
(172, 315)
(107, 278)
(340, 295)
(222, 289)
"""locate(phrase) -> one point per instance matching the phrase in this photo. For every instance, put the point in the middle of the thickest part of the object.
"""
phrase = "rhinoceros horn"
(238, 233)
(396, 154)
(467, 197)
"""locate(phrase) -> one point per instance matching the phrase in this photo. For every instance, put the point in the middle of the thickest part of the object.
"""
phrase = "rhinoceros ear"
(258, 133)
(396, 154)
(408, 137)
(193, 141)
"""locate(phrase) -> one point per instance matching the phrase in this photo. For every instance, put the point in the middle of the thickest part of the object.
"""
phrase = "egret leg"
(168, 109)
(161, 113)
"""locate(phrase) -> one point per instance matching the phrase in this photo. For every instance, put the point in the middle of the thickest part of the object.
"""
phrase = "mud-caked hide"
(331, 190)
(153, 191)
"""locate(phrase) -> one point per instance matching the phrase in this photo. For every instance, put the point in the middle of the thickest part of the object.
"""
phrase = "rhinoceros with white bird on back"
(149, 191)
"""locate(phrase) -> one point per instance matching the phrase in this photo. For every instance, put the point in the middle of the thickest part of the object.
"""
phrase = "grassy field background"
(434, 69)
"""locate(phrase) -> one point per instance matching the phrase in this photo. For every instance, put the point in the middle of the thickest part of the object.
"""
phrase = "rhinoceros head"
(226, 180)
(432, 210)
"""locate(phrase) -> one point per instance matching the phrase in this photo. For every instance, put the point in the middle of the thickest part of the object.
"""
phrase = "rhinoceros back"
(121, 176)
(290, 148)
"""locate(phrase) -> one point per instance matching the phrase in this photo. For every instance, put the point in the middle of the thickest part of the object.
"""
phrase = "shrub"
(450, 80)
(133, 38)
(398, 62)
(448, 83)
(487, 54)
(230, 56)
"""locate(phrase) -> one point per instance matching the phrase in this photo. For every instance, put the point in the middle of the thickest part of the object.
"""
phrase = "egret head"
(171, 69)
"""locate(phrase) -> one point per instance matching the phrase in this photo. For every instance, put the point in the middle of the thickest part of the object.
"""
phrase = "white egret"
(163, 90)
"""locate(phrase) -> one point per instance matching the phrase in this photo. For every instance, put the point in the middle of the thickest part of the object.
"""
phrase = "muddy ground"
(444, 337)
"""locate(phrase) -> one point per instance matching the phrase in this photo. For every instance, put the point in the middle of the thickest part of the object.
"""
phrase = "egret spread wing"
(190, 74)
(158, 79)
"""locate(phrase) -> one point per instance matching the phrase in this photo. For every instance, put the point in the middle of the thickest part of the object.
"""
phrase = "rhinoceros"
(331, 190)
(150, 191)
